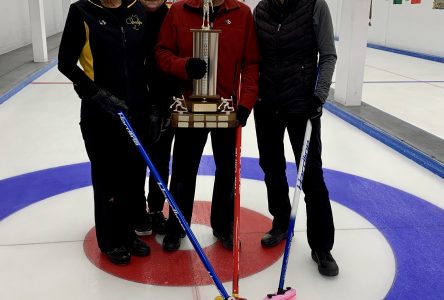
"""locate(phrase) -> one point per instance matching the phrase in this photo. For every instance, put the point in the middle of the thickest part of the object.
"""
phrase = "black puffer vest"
(288, 67)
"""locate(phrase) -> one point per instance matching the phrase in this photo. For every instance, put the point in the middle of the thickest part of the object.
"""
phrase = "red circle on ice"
(184, 267)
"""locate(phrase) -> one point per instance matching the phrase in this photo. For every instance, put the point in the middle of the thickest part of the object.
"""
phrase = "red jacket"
(238, 51)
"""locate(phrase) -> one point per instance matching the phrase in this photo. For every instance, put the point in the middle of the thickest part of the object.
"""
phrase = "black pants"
(188, 148)
(270, 129)
(160, 153)
(117, 172)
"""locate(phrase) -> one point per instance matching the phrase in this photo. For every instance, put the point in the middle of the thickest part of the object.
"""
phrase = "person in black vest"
(298, 58)
(110, 39)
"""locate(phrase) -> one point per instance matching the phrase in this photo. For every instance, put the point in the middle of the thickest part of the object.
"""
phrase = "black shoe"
(119, 256)
(326, 263)
(171, 242)
(144, 228)
(225, 238)
(158, 222)
(139, 248)
(273, 237)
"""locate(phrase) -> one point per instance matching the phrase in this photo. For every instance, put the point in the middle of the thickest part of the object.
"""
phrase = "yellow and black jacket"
(111, 46)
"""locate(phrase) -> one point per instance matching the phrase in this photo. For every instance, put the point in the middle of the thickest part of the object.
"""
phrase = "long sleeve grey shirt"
(323, 28)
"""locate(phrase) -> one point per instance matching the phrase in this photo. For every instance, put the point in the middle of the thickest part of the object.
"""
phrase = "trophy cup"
(204, 108)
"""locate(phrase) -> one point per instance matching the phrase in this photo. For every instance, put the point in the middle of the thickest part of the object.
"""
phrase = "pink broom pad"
(289, 294)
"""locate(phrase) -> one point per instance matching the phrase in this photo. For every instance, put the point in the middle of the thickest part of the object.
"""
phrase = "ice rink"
(388, 209)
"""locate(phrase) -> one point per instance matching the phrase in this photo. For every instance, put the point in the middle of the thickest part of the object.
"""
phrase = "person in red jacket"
(237, 76)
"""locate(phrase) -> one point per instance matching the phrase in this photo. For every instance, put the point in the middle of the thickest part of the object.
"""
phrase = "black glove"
(242, 114)
(166, 123)
(154, 124)
(107, 101)
(196, 68)
(315, 108)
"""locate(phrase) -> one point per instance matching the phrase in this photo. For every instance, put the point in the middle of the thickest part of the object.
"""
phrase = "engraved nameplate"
(183, 118)
(199, 124)
(204, 107)
(199, 118)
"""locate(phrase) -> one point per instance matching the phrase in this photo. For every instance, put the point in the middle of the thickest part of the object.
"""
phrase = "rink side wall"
(412, 28)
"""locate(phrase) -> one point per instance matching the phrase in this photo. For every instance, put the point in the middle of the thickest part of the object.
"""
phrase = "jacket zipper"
(128, 90)
(279, 27)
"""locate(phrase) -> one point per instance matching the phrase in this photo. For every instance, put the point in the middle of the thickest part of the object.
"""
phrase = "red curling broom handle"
(236, 225)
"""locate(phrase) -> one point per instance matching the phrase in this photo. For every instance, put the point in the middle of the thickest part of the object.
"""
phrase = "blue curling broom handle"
(174, 207)
(294, 206)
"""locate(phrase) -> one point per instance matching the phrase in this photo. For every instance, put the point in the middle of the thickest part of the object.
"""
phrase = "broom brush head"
(287, 294)
(230, 298)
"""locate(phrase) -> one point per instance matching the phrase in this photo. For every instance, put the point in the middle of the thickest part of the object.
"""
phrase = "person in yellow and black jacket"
(110, 39)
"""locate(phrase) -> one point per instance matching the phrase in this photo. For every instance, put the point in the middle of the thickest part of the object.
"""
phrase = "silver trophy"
(204, 108)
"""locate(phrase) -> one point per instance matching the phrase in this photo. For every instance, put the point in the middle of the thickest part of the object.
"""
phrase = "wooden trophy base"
(203, 120)
(199, 112)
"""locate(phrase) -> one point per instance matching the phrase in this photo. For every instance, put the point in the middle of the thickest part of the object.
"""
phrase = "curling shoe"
(158, 222)
(225, 238)
(326, 263)
(273, 237)
(139, 248)
(144, 228)
(119, 256)
(171, 242)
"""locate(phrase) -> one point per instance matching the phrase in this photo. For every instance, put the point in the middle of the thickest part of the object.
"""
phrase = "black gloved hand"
(315, 109)
(109, 103)
(242, 114)
(154, 124)
(196, 68)
(166, 123)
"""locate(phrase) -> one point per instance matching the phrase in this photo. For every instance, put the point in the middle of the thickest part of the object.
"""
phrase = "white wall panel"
(53, 16)
(14, 25)
(416, 28)
(380, 15)
(411, 27)
(15, 30)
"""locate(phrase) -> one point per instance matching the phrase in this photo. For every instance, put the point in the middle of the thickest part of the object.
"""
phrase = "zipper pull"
(123, 34)
(279, 27)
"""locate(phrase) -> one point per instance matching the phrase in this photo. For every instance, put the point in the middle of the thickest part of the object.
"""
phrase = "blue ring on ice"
(413, 227)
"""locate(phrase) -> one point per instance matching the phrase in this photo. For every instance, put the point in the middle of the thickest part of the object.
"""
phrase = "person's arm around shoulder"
(323, 27)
